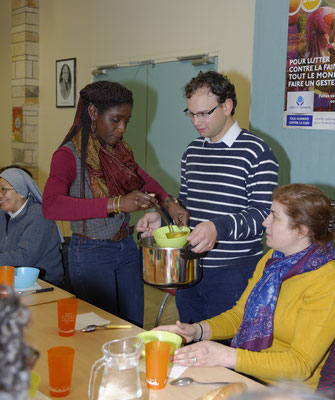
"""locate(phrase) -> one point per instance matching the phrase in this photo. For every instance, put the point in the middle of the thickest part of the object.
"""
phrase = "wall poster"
(17, 124)
(310, 65)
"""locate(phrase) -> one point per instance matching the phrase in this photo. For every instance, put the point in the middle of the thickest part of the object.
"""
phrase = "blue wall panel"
(304, 155)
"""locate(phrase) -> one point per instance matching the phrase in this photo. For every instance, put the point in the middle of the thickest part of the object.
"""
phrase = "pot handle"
(187, 253)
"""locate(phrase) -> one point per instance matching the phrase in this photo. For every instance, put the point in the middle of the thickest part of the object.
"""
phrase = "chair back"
(327, 377)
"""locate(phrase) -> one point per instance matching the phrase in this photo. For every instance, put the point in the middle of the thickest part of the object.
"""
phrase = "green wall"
(304, 155)
(158, 131)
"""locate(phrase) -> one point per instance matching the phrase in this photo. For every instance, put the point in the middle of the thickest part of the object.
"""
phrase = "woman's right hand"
(131, 202)
(148, 223)
(187, 331)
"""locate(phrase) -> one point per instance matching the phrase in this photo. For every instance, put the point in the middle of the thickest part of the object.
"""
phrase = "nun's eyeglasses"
(4, 190)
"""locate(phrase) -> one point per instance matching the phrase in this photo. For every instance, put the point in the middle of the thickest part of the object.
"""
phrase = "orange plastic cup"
(7, 275)
(6, 279)
(60, 362)
(156, 362)
(67, 313)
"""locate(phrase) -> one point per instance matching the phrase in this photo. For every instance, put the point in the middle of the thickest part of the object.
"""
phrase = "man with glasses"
(227, 178)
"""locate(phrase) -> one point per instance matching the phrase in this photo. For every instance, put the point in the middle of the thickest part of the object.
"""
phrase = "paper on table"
(174, 371)
(90, 318)
(35, 286)
(40, 396)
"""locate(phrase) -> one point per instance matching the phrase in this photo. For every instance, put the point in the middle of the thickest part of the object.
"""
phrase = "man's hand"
(148, 223)
(203, 237)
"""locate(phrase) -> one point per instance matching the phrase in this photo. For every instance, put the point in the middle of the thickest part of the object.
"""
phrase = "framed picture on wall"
(66, 82)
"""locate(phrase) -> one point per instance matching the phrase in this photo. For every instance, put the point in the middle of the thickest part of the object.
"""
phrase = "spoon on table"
(91, 328)
(187, 381)
(172, 234)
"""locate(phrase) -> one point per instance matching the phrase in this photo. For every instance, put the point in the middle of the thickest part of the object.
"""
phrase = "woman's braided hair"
(103, 95)
(15, 354)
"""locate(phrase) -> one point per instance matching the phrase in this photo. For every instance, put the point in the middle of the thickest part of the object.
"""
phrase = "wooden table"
(46, 297)
(42, 333)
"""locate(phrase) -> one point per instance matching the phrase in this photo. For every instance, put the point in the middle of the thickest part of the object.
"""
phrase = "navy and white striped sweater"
(232, 187)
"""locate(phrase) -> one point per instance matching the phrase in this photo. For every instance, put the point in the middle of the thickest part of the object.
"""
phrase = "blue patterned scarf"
(256, 330)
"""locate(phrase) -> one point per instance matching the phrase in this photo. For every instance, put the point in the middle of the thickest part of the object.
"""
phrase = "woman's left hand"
(179, 215)
(206, 354)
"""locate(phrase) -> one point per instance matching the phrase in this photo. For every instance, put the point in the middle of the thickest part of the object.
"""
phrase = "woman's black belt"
(123, 233)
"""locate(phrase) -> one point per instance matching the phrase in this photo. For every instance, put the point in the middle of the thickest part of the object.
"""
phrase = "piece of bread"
(224, 392)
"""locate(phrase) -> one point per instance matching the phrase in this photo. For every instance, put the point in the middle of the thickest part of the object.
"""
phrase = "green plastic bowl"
(152, 336)
(163, 241)
(34, 383)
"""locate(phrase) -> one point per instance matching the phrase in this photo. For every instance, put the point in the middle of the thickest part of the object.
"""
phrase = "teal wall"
(304, 155)
(158, 131)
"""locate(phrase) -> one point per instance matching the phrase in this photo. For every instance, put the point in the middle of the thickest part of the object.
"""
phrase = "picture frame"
(66, 82)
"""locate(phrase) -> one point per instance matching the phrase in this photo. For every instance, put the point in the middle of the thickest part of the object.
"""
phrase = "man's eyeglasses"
(201, 115)
(4, 190)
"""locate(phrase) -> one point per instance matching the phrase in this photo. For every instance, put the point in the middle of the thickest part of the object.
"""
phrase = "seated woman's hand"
(148, 223)
(206, 354)
(187, 331)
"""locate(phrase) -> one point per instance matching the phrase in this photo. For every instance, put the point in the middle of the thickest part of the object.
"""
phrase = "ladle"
(187, 381)
(93, 327)
(172, 234)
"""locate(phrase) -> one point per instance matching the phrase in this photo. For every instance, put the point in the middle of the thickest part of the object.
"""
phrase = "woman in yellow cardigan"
(284, 323)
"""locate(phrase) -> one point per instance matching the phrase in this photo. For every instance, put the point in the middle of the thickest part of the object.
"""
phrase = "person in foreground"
(15, 354)
(95, 183)
(284, 323)
(27, 239)
(288, 391)
(227, 178)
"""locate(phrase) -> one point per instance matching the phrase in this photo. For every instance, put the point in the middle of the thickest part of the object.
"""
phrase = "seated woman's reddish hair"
(307, 205)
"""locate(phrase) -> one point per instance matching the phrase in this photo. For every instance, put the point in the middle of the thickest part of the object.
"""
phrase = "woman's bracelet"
(169, 200)
(114, 204)
(201, 333)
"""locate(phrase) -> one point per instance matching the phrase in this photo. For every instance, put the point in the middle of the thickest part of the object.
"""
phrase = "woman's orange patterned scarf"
(112, 169)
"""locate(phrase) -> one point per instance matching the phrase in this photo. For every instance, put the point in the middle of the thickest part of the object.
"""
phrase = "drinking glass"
(60, 362)
(156, 362)
(67, 313)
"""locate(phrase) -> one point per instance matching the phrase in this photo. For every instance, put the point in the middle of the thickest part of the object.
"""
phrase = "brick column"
(25, 85)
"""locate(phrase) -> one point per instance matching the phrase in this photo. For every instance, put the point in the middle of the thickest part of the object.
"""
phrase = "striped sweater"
(232, 187)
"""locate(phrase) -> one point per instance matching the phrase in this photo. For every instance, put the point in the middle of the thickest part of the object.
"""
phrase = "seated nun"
(27, 239)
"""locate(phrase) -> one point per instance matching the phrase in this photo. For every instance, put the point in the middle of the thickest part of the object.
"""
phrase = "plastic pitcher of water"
(120, 378)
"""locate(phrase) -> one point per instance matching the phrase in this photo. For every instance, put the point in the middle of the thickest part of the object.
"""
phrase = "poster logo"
(300, 102)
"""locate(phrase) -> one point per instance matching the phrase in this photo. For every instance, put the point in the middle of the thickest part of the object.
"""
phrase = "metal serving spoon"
(91, 328)
(172, 234)
(187, 381)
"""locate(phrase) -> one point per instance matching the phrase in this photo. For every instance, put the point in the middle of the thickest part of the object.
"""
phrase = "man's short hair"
(217, 83)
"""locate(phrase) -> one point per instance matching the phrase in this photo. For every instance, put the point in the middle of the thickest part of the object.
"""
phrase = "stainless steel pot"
(165, 268)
